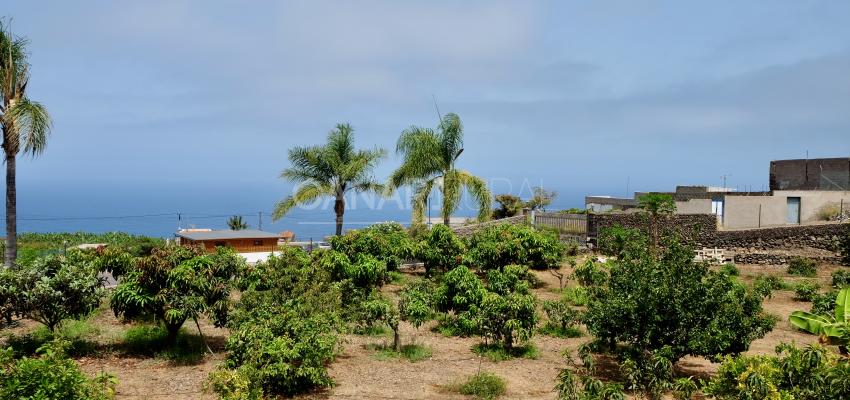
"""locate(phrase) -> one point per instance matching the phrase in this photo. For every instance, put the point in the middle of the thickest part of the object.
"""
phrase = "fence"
(571, 227)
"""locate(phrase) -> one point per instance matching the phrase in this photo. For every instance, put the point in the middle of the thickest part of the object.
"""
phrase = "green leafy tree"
(52, 289)
(671, 302)
(332, 169)
(388, 242)
(442, 250)
(459, 295)
(509, 206)
(235, 223)
(416, 303)
(26, 124)
(506, 244)
(540, 199)
(430, 159)
(177, 283)
(657, 206)
(284, 328)
(507, 313)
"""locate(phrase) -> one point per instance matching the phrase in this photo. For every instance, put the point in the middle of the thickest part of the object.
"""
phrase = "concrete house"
(801, 192)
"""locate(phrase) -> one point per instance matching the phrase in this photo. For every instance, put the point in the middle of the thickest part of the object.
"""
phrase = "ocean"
(159, 209)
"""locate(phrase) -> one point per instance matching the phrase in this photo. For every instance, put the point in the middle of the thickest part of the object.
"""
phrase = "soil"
(359, 374)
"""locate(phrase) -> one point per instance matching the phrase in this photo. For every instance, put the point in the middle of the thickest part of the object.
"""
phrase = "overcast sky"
(578, 95)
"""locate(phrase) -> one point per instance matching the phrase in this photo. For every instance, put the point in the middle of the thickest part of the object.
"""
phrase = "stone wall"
(696, 228)
(467, 230)
(821, 236)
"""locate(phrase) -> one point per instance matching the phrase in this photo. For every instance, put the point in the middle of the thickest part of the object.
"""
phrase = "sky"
(160, 106)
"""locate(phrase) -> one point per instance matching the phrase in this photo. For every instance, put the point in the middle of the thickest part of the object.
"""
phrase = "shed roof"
(228, 234)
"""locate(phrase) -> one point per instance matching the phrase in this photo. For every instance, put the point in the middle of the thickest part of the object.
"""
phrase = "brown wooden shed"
(243, 241)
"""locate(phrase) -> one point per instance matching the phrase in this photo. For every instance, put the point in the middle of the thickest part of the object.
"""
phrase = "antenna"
(439, 116)
(260, 225)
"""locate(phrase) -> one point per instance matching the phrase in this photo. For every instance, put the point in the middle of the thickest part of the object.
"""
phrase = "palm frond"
(452, 190)
(29, 124)
(477, 188)
(305, 194)
(451, 137)
(421, 191)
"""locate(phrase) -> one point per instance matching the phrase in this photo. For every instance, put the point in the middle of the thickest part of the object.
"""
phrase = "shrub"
(52, 289)
(387, 242)
(730, 269)
(806, 290)
(824, 303)
(667, 300)
(496, 352)
(410, 352)
(177, 283)
(507, 244)
(840, 279)
(577, 296)
(284, 352)
(585, 387)
(590, 274)
(808, 373)
(484, 386)
(802, 267)
(614, 240)
(441, 250)
(561, 319)
(764, 285)
(50, 376)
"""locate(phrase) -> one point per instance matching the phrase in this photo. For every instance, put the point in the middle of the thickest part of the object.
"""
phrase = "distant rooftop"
(226, 234)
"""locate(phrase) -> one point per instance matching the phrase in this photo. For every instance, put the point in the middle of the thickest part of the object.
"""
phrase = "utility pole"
(260, 225)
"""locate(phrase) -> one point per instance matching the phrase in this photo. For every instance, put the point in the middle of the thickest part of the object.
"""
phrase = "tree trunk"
(173, 330)
(396, 339)
(447, 219)
(339, 208)
(11, 213)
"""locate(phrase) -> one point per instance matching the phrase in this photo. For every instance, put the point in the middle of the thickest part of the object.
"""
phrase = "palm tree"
(236, 223)
(26, 125)
(429, 162)
(333, 169)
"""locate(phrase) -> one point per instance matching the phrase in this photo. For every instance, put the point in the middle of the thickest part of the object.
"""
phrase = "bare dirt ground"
(359, 374)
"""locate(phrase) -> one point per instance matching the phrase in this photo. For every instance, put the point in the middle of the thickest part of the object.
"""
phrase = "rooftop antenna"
(723, 178)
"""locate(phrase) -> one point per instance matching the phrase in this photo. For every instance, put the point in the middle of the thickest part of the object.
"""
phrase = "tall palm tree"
(235, 223)
(26, 125)
(429, 162)
(332, 169)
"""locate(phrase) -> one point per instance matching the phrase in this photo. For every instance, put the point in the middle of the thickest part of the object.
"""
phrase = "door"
(717, 208)
(793, 210)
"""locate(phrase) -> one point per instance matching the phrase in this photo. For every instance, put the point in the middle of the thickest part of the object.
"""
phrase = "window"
(258, 243)
(220, 244)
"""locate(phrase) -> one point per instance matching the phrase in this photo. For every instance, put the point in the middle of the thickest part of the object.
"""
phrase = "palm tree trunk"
(447, 219)
(11, 213)
(339, 208)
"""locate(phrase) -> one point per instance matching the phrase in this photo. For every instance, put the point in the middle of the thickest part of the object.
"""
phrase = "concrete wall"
(743, 211)
(694, 206)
